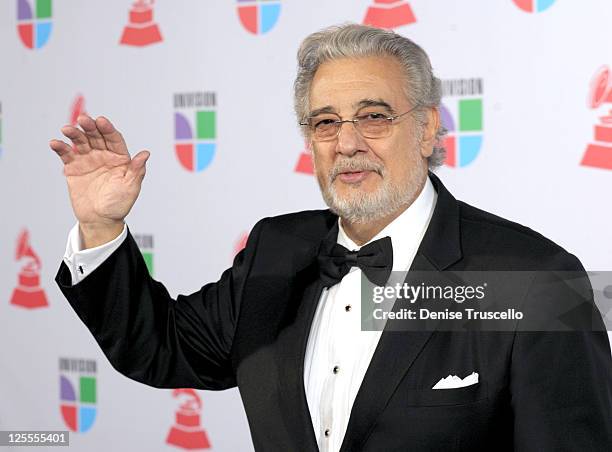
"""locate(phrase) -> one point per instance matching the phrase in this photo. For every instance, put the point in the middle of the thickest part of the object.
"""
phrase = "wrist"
(96, 234)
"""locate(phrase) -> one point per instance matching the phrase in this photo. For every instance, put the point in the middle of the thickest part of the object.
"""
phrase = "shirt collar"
(406, 231)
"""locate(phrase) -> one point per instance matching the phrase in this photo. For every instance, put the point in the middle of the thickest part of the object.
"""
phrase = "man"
(283, 323)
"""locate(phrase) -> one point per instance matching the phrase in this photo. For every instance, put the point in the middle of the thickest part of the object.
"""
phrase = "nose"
(349, 140)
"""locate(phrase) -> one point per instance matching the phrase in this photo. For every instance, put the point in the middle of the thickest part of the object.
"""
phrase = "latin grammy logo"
(141, 30)
(28, 293)
(304, 163)
(187, 433)
(389, 14)
(599, 154)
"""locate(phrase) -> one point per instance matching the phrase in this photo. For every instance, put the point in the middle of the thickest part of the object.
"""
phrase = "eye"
(323, 122)
(373, 116)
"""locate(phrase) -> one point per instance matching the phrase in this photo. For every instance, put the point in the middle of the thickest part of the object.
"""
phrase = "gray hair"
(355, 41)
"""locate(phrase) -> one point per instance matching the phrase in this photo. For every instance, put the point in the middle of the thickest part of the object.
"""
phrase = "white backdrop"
(535, 69)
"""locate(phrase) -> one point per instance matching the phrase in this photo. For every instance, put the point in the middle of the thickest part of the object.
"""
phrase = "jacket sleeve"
(561, 381)
(150, 337)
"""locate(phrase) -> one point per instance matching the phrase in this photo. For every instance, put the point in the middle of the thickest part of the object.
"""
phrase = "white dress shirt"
(338, 353)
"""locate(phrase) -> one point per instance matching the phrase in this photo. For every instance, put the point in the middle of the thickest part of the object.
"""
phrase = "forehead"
(342, 84)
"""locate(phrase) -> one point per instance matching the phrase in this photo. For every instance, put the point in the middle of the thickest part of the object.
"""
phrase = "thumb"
(137, 165)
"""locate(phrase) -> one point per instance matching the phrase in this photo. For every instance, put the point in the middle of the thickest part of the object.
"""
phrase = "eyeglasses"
(373, 124)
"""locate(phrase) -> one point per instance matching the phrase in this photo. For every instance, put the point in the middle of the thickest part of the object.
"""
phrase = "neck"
(361, 233)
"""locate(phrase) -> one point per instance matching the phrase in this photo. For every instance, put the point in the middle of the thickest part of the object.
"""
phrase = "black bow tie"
(374, 259)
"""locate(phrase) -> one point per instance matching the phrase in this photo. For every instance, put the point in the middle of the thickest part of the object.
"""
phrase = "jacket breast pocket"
(445, 397)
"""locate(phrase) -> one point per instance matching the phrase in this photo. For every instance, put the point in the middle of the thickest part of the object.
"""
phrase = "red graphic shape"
(389, 14)
(28, 293)
(525, 5)
(450, 144)
(77, 108)
(186, 432)
(141, 30)
(69, 413)
(241, 242)
(184, 153)
(599, 154)
(304, 164)
(248, 17)
(603, 132)
(26, 33)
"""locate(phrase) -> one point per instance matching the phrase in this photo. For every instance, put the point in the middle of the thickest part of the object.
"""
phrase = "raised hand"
(103, 181)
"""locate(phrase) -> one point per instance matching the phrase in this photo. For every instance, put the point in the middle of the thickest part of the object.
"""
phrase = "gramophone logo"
(28, 293)
(534, 6)
(187, 432)
(304, 163)
(195, 149)
(599, 152)
(77, 108)
(259, 16)
(78, 393)
(145, 244)
(389, 14)
(461, 114)
(34, 22)
(141, 29)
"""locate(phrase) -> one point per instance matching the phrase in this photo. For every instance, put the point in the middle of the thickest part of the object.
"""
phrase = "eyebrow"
(363, 103)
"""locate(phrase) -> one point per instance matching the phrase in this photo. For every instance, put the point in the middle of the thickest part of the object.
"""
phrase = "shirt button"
(336, 369)
(347, 308)
(327, 432)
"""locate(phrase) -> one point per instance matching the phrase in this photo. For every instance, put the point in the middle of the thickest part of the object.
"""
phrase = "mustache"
(352, 165)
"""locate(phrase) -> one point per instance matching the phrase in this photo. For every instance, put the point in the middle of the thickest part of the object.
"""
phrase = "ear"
(432, 125)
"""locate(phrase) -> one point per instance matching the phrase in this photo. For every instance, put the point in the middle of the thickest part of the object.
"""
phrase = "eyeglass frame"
(355, 122)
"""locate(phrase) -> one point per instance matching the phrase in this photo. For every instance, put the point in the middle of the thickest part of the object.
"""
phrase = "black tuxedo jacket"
(537, 391)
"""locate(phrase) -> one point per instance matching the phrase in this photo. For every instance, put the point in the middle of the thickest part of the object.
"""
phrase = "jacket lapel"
(292, 341)
(397, 350)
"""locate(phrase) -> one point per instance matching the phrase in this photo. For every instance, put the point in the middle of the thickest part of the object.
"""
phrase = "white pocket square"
(453, 381)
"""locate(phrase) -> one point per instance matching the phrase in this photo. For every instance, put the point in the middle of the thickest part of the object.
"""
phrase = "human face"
(363, 179)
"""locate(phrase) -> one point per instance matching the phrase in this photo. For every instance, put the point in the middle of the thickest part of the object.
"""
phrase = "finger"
(113, 139)
(78, 138)
(91, 132)
(63, 150)
(137, 166)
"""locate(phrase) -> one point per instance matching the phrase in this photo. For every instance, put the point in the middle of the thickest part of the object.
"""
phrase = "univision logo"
(461, 114)
(34, 24)
(259, 16)
(534, 6)
(389, 14)
(78, 391)
(145, 244)
(195, 146)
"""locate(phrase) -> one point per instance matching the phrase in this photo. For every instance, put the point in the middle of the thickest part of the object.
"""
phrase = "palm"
(103, 181)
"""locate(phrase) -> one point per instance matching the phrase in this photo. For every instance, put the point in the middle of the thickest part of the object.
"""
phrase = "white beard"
(359, 207)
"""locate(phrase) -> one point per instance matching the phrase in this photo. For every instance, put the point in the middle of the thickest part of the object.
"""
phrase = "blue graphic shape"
(43, 31)
(204, 155)
(469, 147)
(87, 416)
(542, 5)
(268, 16)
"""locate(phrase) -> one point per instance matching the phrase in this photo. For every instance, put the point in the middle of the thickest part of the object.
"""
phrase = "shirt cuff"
(82, 262)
